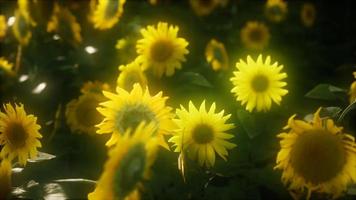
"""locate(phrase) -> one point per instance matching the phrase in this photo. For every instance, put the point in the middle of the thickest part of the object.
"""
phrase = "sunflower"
(106, 13)
(216, 55)
(6, 66)
(161, 49)
(126, 110)
(308, 14)
(258, 83)
(75, 109)
(65, 24)
(129, 163)
(276, 10)
(3, 26)
(22, 27)
(18, 134)
(255, 35)
(316, 156)
(130, 74)
(201, 133)
(205, 7)
(94, 87)
(5, 178)
(24, 7)
(352, 91)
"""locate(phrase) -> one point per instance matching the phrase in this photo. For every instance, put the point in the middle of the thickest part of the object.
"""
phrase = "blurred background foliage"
(324, 53)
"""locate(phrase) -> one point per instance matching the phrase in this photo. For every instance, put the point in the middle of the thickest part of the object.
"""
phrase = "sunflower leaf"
(248, 123)
(325, 92)
(195, 79)
(332, 112)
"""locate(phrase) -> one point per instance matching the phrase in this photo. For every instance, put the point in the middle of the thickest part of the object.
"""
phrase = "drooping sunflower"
(22, 27)
(276, 10)
(126, 110)
(205, 7)
(352, 91)
(3, 26)
(106, 13)
(216, 55)
(18, 134)
(81, 113)
(130, 74)
(255, 35)
(201, 133)
(258, 83)
(308, 14)
(316, 156)
(161, 49)
(94, 87)
(6, 66)
(65, 24)
(5, 178)
(129, 163)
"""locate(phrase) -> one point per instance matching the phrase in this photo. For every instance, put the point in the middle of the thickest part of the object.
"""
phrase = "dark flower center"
(256, 35)
(111, 8)
(259, 83)
(203, 134)
(161, 50)
(318, 156)
(17, 135)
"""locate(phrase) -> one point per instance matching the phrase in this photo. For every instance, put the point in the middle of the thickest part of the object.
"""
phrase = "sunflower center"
(17, 135)
(203, 134)
(275, 10)
(309, 14)
(260, 83)
(87, 114)
(130, 171)
(218, 55)
(132, 115)
(111, 8)
(206, 3)
(161, 50)
(256, 35)
(23, 26)
(318, 156)
(130, 79)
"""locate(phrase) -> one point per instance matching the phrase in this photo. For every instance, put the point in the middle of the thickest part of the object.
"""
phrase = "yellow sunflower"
(3, 26)
(65, 24)
(126, 110)
(205, 7)
(24, 7)
(308, 14)
(352, 91)
(106, 13)
(5, 178)
(161, 49)
(130, 74)
(22, 27)
(316, 156)
(18, 134)
(6, 66)
(276, 10)
(255, 35)
(216, 55)
(94, 87)
(129, 163)
(258, 83)
(81, 113)
(201, 133)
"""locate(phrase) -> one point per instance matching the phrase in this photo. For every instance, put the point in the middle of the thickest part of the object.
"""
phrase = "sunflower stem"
(18, 58)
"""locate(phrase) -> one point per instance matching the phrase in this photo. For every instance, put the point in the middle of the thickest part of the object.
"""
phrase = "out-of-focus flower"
(65, 24)
(308, 14)
(22, 27)
(81, 113)
(128, 165)
(130, 74)
(19, 134)
(161, 50)
(317, 156)
(5, 178)
(94, 87)
(3, 26)
(106, 13)
(258, 83)
(126, 110)
(6, 66)
(205, 7)
(201, 133)
(216, 55)
(276, 10)
(255, 35)
(352, 91)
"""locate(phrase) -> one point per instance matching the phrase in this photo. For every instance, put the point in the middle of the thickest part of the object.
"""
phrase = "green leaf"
(248, 123)
(195, 79)
(325, 92)
(332, 112)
